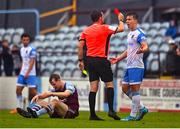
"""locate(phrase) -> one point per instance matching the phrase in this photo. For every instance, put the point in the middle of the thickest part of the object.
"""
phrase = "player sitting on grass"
(66, 107)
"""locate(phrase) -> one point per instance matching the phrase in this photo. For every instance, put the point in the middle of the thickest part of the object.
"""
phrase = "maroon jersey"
(71, 101)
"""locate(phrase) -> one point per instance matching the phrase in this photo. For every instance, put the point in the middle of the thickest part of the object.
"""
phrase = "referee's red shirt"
(97, 39)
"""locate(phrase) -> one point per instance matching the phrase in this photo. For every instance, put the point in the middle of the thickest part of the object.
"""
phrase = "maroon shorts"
(70, 114)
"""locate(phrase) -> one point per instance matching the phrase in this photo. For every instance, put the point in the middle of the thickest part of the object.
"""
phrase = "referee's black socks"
(92, 102)
(110, 98)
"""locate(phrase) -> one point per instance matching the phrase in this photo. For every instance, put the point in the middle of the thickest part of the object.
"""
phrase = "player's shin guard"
(49, 108)
(129, 94)
(92, 102)
(41, 111)
(36, 107)
(135, 104)
(20, 101)
(110, 98)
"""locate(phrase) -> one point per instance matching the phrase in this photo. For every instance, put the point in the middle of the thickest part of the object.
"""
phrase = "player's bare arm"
(121, 24)
(64, 94)
(119, 58)
(143, 48)
(41, 96)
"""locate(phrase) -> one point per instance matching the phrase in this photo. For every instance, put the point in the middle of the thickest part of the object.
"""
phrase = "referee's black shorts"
(99, 67)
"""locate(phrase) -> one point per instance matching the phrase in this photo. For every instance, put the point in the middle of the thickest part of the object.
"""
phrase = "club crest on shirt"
(132, 36)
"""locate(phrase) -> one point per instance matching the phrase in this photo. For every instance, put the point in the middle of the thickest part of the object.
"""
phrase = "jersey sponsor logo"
(131, 44)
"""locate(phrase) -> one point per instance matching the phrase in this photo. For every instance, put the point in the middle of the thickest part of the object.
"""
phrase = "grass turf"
(151, 120)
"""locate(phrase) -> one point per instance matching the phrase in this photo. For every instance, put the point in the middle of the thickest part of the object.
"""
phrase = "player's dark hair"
(25, 35)
(54, 76)
(95, 15)
(135, 16)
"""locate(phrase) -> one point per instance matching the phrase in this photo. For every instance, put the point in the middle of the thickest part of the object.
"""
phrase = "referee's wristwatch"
(80, 60)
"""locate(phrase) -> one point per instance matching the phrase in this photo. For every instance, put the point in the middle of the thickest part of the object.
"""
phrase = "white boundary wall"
(157, 95)
(8, 95)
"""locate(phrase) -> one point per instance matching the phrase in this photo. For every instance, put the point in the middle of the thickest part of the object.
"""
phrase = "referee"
(96, 38)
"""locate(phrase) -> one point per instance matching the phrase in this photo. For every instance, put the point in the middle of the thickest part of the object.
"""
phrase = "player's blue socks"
(37, 110)
(41, 111)
(35, 107)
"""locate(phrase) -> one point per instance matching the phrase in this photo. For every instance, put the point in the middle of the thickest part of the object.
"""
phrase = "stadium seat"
(145, 26)
(40, 38)
(49, 37)
(49, 49)
(164, 25)
(59, 64)
(7, 37)
(155, 25)
(164, 47)
(58, 48)
(37, 43)
(46, 72)
(70, 36)
(64, 29)
(2, 31)
(10, 31)
(73, 29)
(57, 71)
(16, 38)
(40, 49)
(66, 72)
(163, 56)
(68, 49)
(158, 40)
(76, 73)
(161, 32)
(46, 43)
(57, 42)
(177, 39)
(152, 56)
(154, 65)
(154, 47)
(19, 30)
(81, 28)
(152, 33)
(44, 58)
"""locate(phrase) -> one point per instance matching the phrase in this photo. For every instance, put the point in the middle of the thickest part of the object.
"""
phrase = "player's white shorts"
(31, 81)
(133, 76)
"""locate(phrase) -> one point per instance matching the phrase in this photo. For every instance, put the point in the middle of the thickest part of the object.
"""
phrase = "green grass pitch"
(151, 120)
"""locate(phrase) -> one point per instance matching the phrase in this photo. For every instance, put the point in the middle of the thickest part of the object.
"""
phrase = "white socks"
(20, 101)
(135, 104)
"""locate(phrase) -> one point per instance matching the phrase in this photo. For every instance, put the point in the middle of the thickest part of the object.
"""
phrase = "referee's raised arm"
(121, 23)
